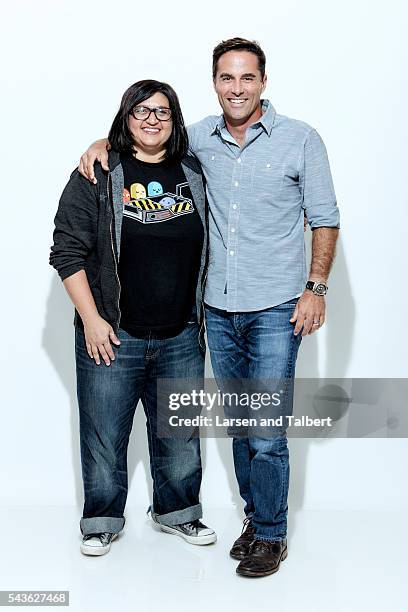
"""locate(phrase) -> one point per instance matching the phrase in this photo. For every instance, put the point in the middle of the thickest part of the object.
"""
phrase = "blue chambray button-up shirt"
(257, 195)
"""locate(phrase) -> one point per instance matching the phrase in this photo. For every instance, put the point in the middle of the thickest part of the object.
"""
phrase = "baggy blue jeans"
(257, 345)
(107, 398)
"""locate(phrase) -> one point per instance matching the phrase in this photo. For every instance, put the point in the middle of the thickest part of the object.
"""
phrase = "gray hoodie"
(87, 235)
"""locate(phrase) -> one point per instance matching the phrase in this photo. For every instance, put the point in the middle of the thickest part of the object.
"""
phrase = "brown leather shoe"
(263, 558)
(241, 546)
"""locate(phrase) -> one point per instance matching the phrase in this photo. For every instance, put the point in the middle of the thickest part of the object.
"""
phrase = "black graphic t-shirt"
(160, 253)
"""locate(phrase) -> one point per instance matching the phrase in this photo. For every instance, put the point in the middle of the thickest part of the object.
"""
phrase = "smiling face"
(239, 85)
(150, 135)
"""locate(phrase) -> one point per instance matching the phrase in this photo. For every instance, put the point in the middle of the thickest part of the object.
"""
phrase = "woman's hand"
(98, 333)
(98, 336)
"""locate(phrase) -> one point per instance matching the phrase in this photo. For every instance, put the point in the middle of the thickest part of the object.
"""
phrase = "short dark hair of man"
(239, 44)
(120, 137)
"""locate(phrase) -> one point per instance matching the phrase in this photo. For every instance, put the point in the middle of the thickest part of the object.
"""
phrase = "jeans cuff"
(271, 538)
(187, 515)
(99, 524)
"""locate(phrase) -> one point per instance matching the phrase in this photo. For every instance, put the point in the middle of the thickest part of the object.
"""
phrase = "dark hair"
(239, 44)
(120, 137)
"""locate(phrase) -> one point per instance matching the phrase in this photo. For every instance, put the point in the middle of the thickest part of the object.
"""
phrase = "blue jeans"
(257, 345)
(107, 398)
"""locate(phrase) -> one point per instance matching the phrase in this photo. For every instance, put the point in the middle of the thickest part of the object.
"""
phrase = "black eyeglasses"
(143, 112)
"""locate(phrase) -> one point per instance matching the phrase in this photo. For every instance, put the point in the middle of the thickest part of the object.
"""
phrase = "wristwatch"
(317, 288)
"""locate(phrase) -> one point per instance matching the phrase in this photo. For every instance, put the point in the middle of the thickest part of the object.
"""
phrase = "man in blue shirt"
(264, 172)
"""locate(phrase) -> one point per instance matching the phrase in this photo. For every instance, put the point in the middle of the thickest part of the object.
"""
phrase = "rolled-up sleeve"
(75, 230)
(316, 184)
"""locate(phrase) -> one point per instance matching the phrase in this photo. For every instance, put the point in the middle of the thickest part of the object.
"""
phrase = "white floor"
(338, 562)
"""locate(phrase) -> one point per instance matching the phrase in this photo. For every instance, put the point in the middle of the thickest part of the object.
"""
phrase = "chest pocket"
(215, 167)
(268, 178)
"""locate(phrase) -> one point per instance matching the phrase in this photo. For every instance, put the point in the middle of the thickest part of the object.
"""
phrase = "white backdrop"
(337, 65)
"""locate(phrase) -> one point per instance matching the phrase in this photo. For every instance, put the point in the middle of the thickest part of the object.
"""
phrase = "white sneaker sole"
(198, 541)
(96, 551)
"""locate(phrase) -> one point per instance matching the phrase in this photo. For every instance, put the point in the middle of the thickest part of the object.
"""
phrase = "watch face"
(320, 289)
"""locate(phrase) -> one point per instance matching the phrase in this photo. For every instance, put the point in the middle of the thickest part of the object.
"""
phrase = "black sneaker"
(97, 543)
(194, 532)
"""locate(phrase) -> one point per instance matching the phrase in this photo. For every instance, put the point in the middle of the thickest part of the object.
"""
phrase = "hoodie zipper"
(204, 280)
(203, 307)
(113, 251)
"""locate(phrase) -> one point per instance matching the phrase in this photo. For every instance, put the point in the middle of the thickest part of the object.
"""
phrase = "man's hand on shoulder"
(98, 151)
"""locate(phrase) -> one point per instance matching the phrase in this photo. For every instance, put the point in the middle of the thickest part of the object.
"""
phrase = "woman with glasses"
(131, 250)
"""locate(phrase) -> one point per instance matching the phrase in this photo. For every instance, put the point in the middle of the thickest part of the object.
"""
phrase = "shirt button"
(236, 183)
(213, 157)
(232, 253)
(234, 206)
(239, 160)
(268, 165)
(232, 229)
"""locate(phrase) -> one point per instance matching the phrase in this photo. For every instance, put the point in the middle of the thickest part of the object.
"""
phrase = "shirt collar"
(266, 121)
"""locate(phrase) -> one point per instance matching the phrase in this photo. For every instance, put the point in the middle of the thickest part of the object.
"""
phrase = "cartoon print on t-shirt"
(154, 189)
(155, 208)
(167, 201)
(137, 190)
